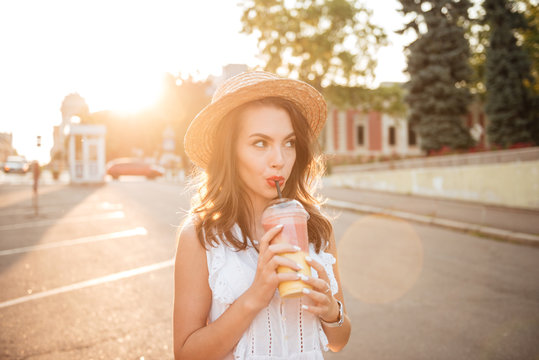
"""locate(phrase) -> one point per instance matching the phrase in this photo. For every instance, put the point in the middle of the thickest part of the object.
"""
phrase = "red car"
(133, 167)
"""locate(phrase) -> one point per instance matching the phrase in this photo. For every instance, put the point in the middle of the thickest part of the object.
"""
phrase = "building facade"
(354, 132)
(79, 147)
(6, 146)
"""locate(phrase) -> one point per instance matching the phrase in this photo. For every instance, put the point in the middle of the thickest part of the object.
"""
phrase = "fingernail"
(308, 258)
(279, 226)
(303, 277)
(297, 248)
(306, 291)
(305, 307)
(299, 266)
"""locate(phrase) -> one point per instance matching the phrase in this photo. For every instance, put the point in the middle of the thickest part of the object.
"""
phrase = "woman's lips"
(271, 180)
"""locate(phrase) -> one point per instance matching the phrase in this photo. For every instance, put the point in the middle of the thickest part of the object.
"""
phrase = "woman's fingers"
(322, 274)
(319, 285)
(316, 296)
(317, 310)
(287, 276)
(283, 248)
(268, 236)
(278, 260)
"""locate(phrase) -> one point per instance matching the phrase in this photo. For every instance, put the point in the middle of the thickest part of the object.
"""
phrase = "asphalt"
(491, 221)
(496, 222)
(517, 225)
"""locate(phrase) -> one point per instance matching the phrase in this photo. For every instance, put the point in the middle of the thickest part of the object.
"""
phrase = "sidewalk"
(502, 223)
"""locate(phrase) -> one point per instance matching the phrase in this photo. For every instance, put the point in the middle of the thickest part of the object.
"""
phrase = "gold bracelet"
(337, 323)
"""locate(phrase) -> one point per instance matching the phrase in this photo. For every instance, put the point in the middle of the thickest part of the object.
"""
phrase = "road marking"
(52, 209)
(92, 282)
(83, 240)
(30, 224)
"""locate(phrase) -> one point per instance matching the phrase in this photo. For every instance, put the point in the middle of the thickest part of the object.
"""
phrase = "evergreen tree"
(530, 37)
(438, 64)
(511, 105)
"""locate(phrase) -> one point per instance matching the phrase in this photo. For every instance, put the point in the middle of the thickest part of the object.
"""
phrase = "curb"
(485, 231)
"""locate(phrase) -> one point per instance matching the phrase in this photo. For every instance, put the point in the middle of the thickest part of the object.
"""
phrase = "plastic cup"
(293, 217)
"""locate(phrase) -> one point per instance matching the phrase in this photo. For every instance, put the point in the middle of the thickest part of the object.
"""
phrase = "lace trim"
(323, 338)
(217, 280)
(300, 326)
(327, 260)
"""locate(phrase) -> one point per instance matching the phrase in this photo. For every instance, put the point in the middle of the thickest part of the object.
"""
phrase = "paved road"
(91, 278)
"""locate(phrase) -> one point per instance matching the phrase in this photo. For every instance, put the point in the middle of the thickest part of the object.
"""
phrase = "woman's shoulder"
(187, 233)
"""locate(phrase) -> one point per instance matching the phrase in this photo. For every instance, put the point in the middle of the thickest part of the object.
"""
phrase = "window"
(411, 135)
(78, 146)
(391, 135)
(360, 135)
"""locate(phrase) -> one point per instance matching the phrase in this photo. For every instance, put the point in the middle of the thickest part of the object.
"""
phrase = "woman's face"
(265, 150)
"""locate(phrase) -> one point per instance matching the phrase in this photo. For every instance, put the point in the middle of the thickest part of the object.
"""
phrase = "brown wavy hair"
(221, 201)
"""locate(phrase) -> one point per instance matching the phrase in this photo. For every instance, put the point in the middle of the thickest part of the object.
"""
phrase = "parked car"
(133, 167)
(16, 164)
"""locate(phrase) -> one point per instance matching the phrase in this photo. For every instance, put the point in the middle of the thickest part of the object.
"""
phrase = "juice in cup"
(293, 217)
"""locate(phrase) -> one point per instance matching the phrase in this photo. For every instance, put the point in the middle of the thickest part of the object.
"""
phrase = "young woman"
(258, 128)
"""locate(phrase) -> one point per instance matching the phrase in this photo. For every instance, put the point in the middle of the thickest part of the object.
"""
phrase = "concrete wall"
(514, 184)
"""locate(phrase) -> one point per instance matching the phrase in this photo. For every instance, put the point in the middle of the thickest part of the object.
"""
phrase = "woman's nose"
(277, 157)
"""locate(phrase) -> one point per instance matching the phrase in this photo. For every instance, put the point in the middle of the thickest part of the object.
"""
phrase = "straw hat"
(241, 89)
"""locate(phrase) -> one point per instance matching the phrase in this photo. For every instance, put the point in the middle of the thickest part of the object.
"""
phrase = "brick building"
(354, 132)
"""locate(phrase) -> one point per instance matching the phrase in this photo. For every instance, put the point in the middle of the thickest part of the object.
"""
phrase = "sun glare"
(129, 93)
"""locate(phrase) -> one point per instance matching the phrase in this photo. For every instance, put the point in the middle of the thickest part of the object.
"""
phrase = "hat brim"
(200, 135)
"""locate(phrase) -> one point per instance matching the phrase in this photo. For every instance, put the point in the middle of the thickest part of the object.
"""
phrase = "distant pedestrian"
(256, 138)
(36, 172)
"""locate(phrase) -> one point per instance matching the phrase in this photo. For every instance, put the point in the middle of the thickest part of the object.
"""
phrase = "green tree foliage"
(530, 36)
(385, 99)
(438, 64)
(511, 106)
(182, 100)
(321, 42)
(128, 132)
(477, 35)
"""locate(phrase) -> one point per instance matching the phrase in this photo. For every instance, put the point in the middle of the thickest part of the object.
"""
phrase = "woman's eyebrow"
(264, 136)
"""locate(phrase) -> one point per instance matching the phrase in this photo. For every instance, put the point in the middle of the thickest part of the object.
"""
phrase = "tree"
(438, 64)
(530, 38)
(385, 99)
(181, 102)
(510, 104)
(321, 42)
(477, 35)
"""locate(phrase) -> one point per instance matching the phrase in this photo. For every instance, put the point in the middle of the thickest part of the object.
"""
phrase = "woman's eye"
(291, 143)
(260, 143)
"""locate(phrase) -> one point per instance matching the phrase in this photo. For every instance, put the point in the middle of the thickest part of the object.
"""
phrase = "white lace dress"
(283, 330)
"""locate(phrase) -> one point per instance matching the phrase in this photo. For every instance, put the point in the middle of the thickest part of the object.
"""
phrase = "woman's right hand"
(266, 278)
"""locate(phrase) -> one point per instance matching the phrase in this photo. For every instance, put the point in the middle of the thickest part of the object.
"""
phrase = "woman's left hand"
(325, 305)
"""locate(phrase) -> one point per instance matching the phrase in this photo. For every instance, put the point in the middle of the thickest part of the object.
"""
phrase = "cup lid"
(284, 205)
